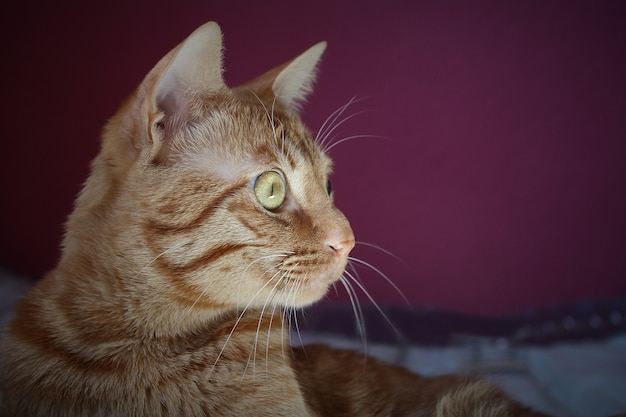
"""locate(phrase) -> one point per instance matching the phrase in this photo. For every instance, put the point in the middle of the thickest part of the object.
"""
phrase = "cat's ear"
(193, 69)
(295, 82)
(166, 98)
(291, 82)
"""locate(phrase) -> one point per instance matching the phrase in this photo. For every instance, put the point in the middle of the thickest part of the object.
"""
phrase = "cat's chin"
(309, 291)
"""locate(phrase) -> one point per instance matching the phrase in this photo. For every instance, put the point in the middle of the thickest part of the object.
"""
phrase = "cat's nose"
(341, 243)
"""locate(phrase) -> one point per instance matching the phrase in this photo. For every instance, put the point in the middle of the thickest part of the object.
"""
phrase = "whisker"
(333, 144)
(324, 145)
(288, 312)
(291, 318)
(282, 331)
(202, 294)
(276, 255)
(258, 328)
(261, 103)
(295, 316)
(237, 322)
(282, 148)
(282, 135)
(355, 272)
(179, 245)
(377, 247)
(270, 116)
(267, 342)
(378, 271)
(330, 120)
(291, 297)
(374, 303)
(358, 312)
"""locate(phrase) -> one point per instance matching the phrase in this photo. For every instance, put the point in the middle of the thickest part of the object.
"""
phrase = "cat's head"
(218, 196)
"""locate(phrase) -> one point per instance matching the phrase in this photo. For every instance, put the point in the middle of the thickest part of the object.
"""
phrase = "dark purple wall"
(501, 178)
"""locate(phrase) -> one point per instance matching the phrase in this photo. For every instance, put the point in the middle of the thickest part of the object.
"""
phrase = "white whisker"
(378, 271)
(262, 258)
(385, 251)
(237, 322)
(282, 331)
(282, 135)
(267, 342)
(358, 312)
(282, 146)
(202, 294)
(258, 328)
(295, 315)
(322, 134)
(270, 115)
(333, 144)
(374, 303)
(179, 245)
(323, 141)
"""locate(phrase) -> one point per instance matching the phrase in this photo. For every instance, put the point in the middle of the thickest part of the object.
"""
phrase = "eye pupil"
(329, 187)
(270, 190)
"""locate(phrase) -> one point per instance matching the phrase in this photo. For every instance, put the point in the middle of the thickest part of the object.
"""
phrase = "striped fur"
(175, 283)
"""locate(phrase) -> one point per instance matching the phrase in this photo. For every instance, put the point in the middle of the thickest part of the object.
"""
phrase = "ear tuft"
(295, 82)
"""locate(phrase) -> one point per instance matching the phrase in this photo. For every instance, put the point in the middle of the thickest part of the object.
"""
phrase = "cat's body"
(206, 220)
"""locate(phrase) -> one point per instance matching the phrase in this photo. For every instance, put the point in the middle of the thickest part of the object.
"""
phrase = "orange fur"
(174, 284)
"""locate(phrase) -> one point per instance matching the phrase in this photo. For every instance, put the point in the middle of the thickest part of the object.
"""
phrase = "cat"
(206, 220)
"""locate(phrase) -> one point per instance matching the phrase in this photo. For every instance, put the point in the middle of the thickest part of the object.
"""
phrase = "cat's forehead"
(241, 139)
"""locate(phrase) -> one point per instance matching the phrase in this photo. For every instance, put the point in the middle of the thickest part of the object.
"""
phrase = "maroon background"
(501, 183)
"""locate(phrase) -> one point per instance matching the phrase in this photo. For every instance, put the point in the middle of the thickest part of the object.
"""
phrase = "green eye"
(269, 189)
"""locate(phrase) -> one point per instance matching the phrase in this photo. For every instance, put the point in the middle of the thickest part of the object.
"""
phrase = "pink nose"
(342, 249)
(341, 243)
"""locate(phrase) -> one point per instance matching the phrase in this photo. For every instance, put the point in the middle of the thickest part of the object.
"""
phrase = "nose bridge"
(336, 232)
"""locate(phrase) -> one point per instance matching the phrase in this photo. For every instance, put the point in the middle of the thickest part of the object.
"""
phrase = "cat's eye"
(269, 189)
(329, 187)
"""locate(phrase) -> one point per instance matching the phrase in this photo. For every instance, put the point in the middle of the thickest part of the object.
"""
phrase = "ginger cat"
(207, 218)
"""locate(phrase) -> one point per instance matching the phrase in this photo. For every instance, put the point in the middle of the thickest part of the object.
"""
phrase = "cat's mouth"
(304, 283)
